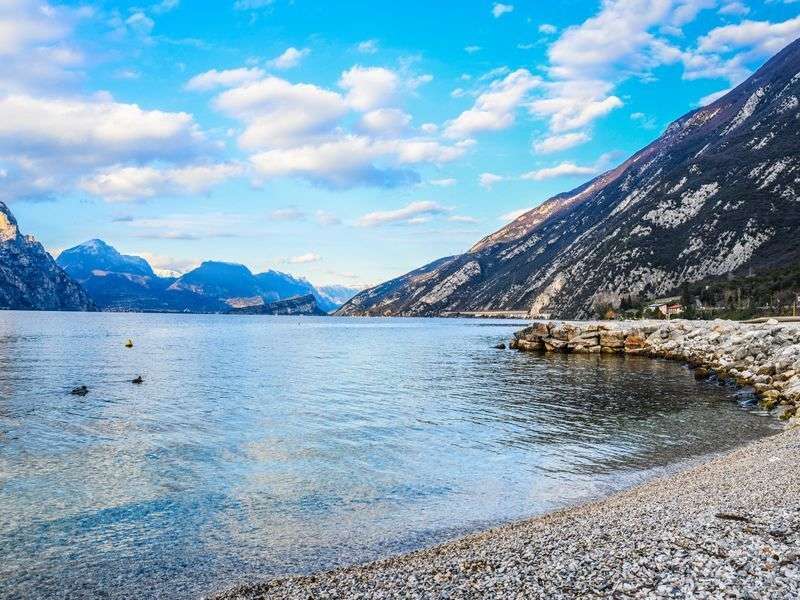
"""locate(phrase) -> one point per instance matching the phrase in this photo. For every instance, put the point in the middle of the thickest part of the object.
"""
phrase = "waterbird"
(138, 379)
(81, 390)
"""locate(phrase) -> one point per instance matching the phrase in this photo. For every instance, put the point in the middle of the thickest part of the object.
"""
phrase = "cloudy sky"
(347, 142)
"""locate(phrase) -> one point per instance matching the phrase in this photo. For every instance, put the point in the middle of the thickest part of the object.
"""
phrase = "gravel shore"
(728, 528)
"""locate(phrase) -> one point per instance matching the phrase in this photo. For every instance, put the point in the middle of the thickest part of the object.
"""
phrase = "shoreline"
(764, 357)
(729, 524)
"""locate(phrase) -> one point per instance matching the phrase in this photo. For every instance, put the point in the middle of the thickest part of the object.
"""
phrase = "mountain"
(336, 295)
(29, 278)
(95, 255)
(717, 193)
(297, 305)
(117, 282)
(217, 284)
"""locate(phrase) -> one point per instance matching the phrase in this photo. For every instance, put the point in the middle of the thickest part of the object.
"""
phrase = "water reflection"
(261, 445)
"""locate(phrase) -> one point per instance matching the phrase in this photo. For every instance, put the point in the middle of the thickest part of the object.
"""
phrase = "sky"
(346, 142)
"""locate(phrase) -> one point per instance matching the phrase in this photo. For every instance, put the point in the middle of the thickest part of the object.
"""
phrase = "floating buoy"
(137, 380)
(129, 344)
(81, 390)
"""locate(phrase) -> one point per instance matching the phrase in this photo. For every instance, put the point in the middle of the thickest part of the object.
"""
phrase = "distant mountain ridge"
(717, 193)
(29, 278)
(297, 305)
(117, 282)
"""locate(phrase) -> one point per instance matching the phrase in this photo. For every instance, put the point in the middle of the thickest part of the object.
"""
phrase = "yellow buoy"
(129, 344)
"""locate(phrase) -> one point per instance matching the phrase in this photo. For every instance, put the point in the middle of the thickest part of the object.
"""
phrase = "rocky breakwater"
(764, 357)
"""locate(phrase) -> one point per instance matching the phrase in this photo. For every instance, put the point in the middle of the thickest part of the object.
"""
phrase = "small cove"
(259, 446)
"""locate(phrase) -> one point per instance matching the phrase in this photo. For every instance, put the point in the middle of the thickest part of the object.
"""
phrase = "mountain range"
(118, 282)
(716, 194)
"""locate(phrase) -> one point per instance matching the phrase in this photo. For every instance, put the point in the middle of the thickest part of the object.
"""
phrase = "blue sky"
(347, 142)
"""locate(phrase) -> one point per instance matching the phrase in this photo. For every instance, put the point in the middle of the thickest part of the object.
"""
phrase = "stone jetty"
(764, 356)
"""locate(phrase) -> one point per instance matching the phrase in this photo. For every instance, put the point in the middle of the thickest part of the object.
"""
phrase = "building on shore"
(669, 307)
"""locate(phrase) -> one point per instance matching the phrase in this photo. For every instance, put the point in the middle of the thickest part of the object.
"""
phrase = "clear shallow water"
(266, 445)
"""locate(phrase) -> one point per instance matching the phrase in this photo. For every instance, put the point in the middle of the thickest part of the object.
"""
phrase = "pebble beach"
(728, 527)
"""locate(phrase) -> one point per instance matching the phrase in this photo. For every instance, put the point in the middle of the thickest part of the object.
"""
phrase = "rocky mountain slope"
(716, 193)
(29, 278)
(298, 305)
(118, 282)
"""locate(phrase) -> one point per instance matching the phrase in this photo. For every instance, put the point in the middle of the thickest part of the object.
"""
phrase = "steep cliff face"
(718, 192)
(299, 305)
(29, 277)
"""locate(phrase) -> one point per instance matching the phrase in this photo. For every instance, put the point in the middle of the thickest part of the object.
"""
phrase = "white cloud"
(495, 73)
(287, 214)
(472, 49)
(447, 182)
(412, 83)
(290, 58)
(487, 180)
(514, 214)
(462, 219)
(300, 130)
(281, 114)
(646, 122)
(495, 108)
(326, 218)
(251, 4)
(125, 184)
(761, 38)
(557, 143)
(49, 144)
(574, 104)
(429, 128)
(369, 87)
(228, 78)
(367, 47)
(547, 29)
(93, 129)
(352, 160)
(36, 52)
(565, 169)
(140, 23)
(165, 6)
(303, 259)
(499, 9)
(129, 74)
(385, 121)
(621, 40)
(193, 226)
(734, 8)
(412, 214)
(708, 99)
(169, 266)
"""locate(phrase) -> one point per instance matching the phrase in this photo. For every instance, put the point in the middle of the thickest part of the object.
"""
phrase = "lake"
(262, 445)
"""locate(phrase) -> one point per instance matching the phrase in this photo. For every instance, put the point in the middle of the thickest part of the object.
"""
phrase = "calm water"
(263, 445)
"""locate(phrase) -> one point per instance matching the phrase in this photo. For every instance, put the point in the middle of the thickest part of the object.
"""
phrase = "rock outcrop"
(299, 305)
(717, 193)
(764, 356)
(29, 277)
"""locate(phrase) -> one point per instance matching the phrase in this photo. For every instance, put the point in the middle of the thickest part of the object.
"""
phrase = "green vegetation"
(775, 292)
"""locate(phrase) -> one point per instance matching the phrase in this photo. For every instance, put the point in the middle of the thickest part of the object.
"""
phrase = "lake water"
(266, 445)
